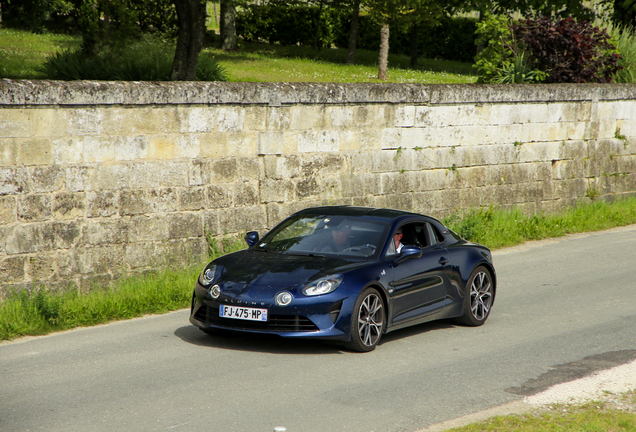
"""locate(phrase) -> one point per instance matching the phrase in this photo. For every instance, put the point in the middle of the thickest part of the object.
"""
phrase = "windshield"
(326, 235)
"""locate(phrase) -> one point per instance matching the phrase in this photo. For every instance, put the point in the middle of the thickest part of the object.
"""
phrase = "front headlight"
(207, 275)
(323, 285)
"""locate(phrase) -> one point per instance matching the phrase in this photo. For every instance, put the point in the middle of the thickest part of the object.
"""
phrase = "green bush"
(625, 41)
(147, 60)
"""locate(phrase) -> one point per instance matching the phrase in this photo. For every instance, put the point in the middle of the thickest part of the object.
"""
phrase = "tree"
(191, 18)
(353, 34)
(229, 41)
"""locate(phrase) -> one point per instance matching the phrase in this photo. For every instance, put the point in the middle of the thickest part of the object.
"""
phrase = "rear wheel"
(367, 321)
(478, 300)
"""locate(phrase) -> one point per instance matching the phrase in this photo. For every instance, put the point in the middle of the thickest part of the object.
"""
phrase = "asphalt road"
(563, 308)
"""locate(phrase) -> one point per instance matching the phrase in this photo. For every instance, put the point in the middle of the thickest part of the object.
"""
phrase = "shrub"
(625, 41)
(147, 60)
(568, 51)
(494, 35)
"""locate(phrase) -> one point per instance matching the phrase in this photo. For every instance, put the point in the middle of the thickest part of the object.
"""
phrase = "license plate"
(243, 313)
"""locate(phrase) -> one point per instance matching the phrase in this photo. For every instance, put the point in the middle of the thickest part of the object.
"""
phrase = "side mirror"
(409, 252)
(251, 238)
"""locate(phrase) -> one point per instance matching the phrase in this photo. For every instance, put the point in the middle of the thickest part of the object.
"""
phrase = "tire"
(367, 321)
(478, 299)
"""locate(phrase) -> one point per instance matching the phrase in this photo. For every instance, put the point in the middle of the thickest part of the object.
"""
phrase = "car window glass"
(326, 235)
(431, 234)
(415, 234)
(438, 235)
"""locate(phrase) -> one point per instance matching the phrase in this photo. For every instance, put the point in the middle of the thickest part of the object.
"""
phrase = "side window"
(436, 234)
(416, 234)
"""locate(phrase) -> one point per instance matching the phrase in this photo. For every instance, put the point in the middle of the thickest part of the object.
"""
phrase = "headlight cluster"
(323, 285)
(208, 276)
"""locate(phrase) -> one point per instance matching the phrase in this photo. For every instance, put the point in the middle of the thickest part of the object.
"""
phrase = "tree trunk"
(191, 19)
(228, 26)
(317, 22)
(383, 59)
(353, 35)
(414, 40)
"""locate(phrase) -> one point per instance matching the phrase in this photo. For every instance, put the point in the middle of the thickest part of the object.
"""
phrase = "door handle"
(443, 261)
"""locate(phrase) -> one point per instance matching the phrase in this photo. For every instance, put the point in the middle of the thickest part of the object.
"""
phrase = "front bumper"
(323, 317)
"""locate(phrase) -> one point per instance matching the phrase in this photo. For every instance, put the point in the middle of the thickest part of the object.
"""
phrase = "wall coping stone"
(19, 93)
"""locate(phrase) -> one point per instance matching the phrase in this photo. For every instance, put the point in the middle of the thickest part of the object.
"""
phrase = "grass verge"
(500, 228)
(590, 417)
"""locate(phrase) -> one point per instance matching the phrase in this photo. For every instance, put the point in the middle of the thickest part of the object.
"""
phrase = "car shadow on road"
(273, 344)
(253, 342)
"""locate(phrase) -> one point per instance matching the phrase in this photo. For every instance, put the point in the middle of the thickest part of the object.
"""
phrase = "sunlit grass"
(499, 228)
(592, 417)
(22, 52)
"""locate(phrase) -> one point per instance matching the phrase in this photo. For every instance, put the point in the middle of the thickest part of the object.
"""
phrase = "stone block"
(353, 186)
(246, 194)
(211, 223)
(276, 190)
(33, 208)
(391, 138)
(219, 196)
(256, 118)
(199, 172)
(14, 181)
(68, 150)
(112, 176)
(187, 146)
(104, 233)
(307, 188)
(146, 174)
(193, 199)
(270, 143)
(131, 148)
(243, 219)
(163, 200)
(307, 141)
(230, 119)
(371, 140)
(41, 267)
(161, 146)
(16, 123)
(198, 119)
(147, 228)
(404, 116)
(8, 210)
(12, 269)
(60, 235)
(340, 117)
(102, 203)
(248, 168)
(185, 225)
(79, 178)
(174, 174)
(8, 152)
(302, 117)
(103, 260)
(225, 170)
(34, 151)
(100, 149)
(241, 145)
(414, 138)
(278, 118)
(69, 205)
(350, 140)
(47, 179)
(133, 202)
(85, 121)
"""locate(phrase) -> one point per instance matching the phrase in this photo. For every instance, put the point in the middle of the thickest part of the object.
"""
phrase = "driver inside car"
(339, 238)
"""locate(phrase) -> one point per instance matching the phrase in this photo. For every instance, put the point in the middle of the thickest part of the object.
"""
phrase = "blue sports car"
(346, 273)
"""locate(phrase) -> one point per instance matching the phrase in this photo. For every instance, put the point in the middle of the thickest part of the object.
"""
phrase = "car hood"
(268, 269)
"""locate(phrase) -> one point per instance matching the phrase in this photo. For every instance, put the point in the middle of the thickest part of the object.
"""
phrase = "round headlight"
(215, 292)
(323, 285)
(207, 275)
(283, 298)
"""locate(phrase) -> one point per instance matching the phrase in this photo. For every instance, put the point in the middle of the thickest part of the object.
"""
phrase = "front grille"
(275, 323)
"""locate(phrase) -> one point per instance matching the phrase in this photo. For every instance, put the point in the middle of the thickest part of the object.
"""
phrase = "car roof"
(345, 210)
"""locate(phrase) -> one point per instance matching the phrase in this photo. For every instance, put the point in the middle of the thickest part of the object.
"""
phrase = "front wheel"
(367, 321)
(478, 300)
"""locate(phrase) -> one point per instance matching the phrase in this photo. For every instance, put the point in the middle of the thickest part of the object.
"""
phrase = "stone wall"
(101, 178)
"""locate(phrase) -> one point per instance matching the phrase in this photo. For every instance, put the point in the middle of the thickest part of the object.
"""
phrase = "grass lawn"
(22, 53)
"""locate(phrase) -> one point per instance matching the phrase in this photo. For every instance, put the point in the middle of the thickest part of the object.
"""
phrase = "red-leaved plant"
(569, 51)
